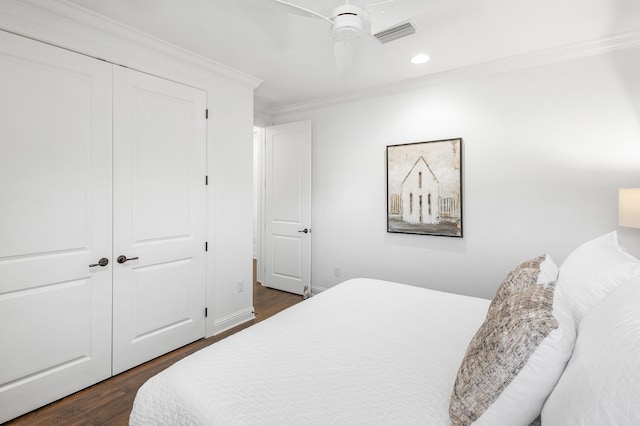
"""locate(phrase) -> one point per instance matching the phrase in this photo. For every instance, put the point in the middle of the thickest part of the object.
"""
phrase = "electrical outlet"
(337, 271)
(240, 286)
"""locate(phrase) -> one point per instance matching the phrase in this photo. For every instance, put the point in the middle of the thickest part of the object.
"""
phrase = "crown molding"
(528, 60)
(67, 25)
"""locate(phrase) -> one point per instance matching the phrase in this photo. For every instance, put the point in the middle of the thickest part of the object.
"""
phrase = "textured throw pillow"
(593, 270)
(516, 357)
(539, 270)
(601, 384)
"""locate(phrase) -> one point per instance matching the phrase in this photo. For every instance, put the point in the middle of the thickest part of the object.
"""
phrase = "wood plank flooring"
(109, 402)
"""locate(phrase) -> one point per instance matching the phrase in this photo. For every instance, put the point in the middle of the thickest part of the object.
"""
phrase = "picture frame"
(424, 188)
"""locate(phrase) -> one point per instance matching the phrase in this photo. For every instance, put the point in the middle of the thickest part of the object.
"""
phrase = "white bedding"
(363, 352)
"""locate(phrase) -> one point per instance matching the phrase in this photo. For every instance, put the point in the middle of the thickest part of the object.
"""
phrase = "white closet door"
(55, 221)
(159, 217)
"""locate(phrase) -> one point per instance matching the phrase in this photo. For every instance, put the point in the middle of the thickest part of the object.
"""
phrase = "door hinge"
(206, 114)
(206, 246)
(206, 180)
(206, 312)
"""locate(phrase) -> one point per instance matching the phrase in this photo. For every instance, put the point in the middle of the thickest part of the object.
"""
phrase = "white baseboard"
(233, 320)
(317, 290)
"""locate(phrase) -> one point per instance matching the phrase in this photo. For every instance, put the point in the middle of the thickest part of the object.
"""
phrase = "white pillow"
(516, 357)
(522, 401)
(592, 271)
(601, 384)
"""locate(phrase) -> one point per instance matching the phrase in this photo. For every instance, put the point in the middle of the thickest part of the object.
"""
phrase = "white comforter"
(363, 352)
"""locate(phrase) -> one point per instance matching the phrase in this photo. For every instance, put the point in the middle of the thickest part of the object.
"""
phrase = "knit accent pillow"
(539, 270)
(519, 319)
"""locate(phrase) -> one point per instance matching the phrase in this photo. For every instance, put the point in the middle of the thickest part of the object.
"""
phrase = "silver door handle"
(122, 258)
(305, 230)
(102, 262)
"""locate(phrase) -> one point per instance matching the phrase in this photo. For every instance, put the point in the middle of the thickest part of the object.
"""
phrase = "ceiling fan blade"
(344, 52)
(388, 13)
(299, 8)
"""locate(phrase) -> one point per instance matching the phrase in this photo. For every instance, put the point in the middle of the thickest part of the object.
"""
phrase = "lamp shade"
(629, 207)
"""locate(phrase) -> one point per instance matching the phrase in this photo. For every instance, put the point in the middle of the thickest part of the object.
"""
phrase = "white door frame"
(260, 211)
(258, 199)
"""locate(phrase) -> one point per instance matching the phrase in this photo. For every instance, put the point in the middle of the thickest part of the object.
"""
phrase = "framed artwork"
(424, 188)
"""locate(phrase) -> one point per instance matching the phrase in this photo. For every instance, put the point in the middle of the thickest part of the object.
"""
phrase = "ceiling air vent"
(394, 33)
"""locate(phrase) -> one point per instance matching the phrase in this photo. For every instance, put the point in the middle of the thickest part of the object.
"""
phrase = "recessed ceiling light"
(420, 58)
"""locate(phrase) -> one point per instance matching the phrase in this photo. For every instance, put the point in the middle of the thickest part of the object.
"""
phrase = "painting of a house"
(424, 188)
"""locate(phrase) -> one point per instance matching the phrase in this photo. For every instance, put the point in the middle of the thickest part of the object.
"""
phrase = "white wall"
(231, 208)
(545, 150)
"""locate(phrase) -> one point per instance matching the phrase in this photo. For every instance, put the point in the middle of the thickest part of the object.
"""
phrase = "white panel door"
(288, 207)
(55, 221)
(159, 217)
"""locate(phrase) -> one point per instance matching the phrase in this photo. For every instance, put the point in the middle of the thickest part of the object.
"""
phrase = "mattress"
(363, 352)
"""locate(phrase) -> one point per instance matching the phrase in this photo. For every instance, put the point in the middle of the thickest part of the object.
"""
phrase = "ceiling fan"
(387, 20)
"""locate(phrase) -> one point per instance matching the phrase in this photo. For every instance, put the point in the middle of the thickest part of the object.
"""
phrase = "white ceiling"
(293, 54)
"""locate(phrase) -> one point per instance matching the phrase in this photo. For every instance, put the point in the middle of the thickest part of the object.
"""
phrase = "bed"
(364, 352)
(376, 352)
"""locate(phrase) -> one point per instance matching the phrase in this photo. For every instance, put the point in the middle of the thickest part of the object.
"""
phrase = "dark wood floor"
(109, 402)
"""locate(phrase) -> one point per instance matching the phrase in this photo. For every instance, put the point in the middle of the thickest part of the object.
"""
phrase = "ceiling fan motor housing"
(347, 23)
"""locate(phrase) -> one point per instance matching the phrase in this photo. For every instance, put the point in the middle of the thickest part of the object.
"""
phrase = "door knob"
(305, 230)
(102, 262)
(122, 258)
